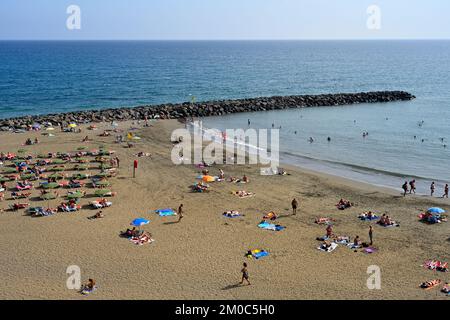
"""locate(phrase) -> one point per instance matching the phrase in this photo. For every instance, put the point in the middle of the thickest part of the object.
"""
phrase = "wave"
(360, 168)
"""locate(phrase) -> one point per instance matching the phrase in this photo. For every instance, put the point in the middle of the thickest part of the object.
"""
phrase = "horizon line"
(268, 39)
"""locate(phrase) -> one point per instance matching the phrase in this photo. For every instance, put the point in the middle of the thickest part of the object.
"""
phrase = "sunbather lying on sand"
(323, 220)
(271, 216)
(446, 288)
(430, 284)
(231, 213)
(243, 193)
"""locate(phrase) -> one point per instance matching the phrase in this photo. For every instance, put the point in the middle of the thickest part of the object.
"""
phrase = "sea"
(406, 140)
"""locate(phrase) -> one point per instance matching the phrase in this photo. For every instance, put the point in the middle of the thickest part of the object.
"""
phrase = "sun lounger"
(100, 204)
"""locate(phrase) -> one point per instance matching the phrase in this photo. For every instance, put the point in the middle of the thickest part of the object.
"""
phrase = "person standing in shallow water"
(445, 191)
(432, 188)
(412, 185)
(405, 188)
(294, 204)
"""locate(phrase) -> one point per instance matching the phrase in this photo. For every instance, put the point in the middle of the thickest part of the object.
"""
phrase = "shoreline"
(205, 108)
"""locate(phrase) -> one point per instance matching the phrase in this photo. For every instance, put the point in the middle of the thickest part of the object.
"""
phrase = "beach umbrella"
(436, 210)
(139, 222)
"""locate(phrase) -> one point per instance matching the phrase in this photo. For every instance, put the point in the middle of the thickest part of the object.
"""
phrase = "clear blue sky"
(224, 19)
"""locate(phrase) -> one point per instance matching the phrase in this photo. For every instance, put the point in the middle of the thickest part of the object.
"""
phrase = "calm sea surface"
(48, 77)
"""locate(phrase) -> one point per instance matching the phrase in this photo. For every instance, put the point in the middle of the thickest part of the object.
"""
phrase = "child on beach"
(244, 274)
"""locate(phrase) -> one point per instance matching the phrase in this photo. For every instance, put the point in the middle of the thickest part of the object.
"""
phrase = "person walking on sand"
(445, 191)
(412, 185)
(180, 212)
(371, 235)
(244, 274)
(405, 188)
(294, 204)
(118, 162)
(432, 188)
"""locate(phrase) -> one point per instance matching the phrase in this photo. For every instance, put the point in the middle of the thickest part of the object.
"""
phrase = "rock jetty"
(205, 109)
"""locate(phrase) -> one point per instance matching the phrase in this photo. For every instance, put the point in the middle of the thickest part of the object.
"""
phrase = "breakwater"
(205, 109)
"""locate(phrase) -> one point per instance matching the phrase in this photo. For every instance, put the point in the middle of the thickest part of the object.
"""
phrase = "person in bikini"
(245, 276)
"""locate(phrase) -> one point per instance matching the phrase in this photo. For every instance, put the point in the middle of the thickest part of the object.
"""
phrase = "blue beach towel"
(166, 212)
(369, 219)
(270, 226)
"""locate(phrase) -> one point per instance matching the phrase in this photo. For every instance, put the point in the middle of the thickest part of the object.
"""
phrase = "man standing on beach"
(432, 187)
(180, 212)
(294, 204)
(118, 162)
(371, 235)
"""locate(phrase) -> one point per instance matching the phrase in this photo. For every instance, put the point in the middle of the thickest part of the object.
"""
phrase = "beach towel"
(353, 246)
(166, 212)
(370, 250)
(323, 238)
(330, 249)
(342, 240)
(364, 217)
(86, 291)
(231, 214)
(270, 226)
(390, 225)
(257, 253)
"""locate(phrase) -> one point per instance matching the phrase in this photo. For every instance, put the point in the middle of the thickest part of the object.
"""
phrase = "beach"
(201, 256)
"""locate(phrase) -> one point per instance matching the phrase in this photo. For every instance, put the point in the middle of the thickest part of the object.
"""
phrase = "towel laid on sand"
(330, 249)
(257, 253)
(232, 214)
(270, 226)
(166, 212)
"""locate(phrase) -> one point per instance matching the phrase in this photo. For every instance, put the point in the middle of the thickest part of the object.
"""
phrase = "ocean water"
(47, 77)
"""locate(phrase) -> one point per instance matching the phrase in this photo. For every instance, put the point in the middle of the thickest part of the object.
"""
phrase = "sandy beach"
(201, 256)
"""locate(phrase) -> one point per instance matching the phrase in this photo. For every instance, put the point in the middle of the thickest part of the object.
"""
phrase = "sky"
(224, 19)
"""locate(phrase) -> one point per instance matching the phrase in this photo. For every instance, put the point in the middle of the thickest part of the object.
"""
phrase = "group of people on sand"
(344, 204)
(385, 220)
(30, 142)
(411, 188)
